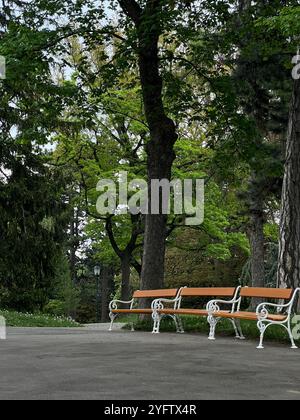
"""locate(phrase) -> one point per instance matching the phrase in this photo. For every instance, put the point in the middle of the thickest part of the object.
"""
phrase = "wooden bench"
(263, 315)
(159, 309)
(137, 295)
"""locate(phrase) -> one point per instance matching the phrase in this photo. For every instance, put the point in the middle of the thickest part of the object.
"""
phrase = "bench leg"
(112, 318)
(237, 335)
(156, 319)
(213, 323)
(178, 324)
(262, 328)
(239, 329)
(289, 330)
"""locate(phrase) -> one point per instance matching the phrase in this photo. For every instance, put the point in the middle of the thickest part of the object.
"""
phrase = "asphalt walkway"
(95, 364)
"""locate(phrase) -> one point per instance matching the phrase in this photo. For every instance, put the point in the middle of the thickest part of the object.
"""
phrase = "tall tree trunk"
(126, 256)
(160, 155)
(289, 244)
(160, 149)
(248, 71)
(125, 277)
(257, 238)
(107, 286)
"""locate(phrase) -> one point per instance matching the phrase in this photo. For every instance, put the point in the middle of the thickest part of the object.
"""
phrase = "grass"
(193, 324)
(19, 319)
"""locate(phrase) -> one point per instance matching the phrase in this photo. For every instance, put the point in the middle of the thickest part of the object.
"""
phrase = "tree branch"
(109, 230)
(132, 10)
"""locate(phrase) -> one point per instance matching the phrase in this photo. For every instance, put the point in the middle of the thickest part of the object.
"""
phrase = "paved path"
(91, 364)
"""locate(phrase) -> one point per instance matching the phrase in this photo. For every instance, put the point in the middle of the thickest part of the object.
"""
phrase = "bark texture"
(160, 148)
(126, 255)
(289, 244)
(257, 238)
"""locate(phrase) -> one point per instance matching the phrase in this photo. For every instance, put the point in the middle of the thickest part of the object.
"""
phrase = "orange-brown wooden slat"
(208, 291)
(163, 293)
(250, 316)
(132, 311)
(264, 292)
(199, 312)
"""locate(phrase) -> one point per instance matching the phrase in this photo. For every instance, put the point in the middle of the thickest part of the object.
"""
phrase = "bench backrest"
(208, 291)
(155, 294)
(265, 292)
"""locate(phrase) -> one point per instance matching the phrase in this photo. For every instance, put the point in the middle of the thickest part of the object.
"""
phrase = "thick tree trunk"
(160, 149)
(289, 244)
(125, 277)
(248, 70)
(160, 152)
(160, 159)
(257, 240)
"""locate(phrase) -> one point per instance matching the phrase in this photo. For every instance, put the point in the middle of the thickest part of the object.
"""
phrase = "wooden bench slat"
(266, 293)
(208, 291)
(163, 293)
(249, 316)
(132, 311)
(199, 312)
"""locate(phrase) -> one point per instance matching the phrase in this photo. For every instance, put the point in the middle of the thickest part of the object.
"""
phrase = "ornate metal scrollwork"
(213, 307)
(113, 306)
(263, 312)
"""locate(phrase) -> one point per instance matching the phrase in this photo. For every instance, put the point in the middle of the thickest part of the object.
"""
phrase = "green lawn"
(194, 324)
(17, 319)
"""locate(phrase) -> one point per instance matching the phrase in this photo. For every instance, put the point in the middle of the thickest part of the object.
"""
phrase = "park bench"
(160, 310)
(266, 314)
(136, 297)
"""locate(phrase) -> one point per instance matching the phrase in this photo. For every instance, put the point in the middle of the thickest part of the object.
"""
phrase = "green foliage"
(66, 296)
(72, 84)
(20, 319)
(287, 22)
(199, 325)
(193, 324)
(32, 228)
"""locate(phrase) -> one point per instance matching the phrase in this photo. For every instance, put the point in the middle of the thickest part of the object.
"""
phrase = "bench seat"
(249, 316)
(160, 309)
(264, 314)
(133, 308)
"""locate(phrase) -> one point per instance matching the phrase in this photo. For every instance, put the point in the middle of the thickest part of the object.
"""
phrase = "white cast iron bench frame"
(159, 309)
(114, 309)
(263, 316)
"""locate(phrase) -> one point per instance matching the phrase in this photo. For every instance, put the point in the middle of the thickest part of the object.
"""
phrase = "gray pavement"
(95, 364)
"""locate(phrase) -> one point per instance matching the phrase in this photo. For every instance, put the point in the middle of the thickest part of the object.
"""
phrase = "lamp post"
(97, 272)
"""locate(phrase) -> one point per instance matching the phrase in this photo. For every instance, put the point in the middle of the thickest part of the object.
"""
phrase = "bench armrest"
(213, 305)
(114, 303)
(262, 311)
(158, 304)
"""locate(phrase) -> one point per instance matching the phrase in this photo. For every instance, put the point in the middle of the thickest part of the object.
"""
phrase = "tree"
(32, 230)
(112, 143)
(34, 214)
(287, 23)
(289, 250)
(160, 148)
(249, 111)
